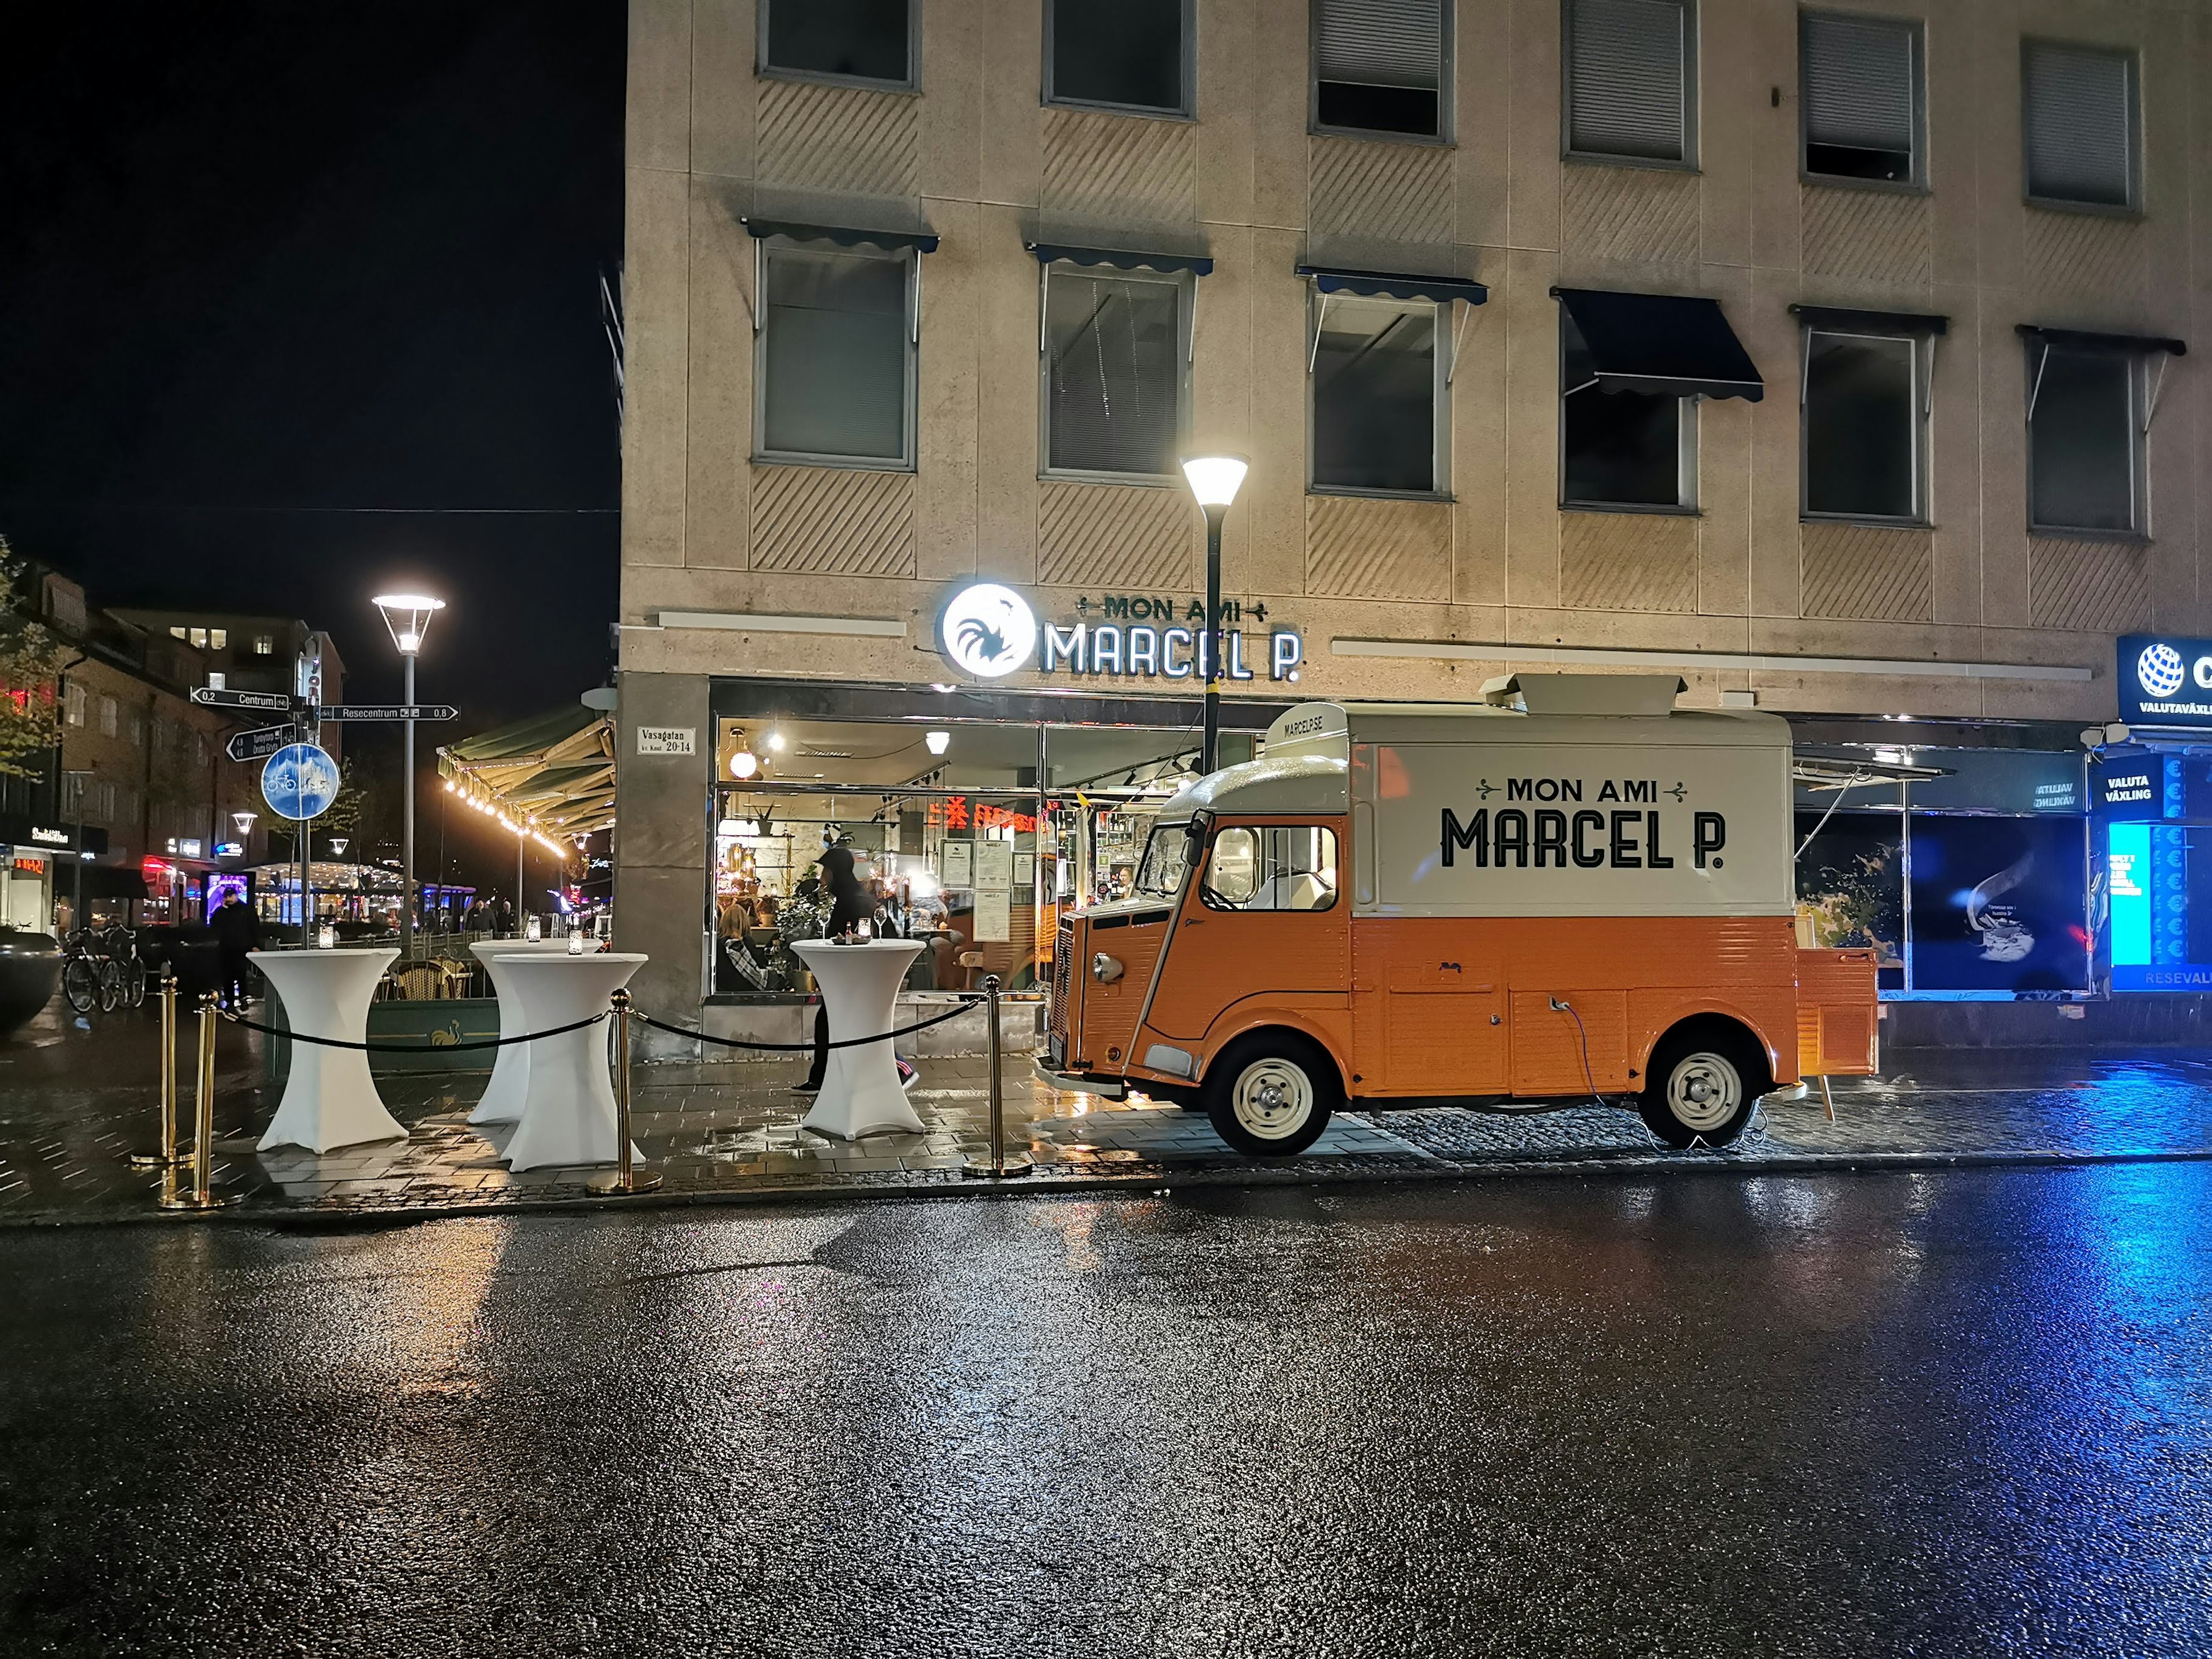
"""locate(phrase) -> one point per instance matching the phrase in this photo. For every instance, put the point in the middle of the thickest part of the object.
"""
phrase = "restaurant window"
(1120, 54)
(1380, 66)
(1865, 424)
(1378, 396)
(2078, 112)
(1277, 867)
(865, 40)
(1624, 448)
(1631, 75)
(836, 355)
(2084, 448)
(1860, 97)
(1115, 357)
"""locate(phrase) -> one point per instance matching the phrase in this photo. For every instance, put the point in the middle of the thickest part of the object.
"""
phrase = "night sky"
(263, 267)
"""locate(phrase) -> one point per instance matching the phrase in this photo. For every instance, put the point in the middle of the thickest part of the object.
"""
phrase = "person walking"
(237, 931)
(850, 905)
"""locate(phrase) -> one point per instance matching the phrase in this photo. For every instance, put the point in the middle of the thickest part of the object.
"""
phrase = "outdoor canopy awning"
(1390, 285)
(1891, 322)
(892, 241)
(1051, 254)
(1674, 344)
(2074, 339)
(557, 769)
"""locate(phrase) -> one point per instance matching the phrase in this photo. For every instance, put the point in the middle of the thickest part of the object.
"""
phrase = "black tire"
(81, 984)
(1703, 1084)
(134, 982)
(111, 987)
(1271, 1094)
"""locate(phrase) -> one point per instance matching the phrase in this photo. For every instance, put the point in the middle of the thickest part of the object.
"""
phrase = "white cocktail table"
(859, 985)
(331, 1100)
(510, 1067)
(568, 1100)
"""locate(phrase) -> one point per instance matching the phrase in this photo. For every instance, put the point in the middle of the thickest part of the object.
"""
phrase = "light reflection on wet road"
(1934, 1413)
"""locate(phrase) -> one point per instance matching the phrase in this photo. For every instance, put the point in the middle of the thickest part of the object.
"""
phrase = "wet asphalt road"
(1964, 1412)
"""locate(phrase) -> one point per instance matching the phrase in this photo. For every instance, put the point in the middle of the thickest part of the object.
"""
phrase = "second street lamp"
(408, 618)
(1214, 480)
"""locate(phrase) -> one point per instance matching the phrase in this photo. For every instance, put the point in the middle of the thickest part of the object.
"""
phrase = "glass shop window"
(1863, 427)
(1622, 449)
(1274, 867)
(1122, 54)
(1380, 66)
(1631, 68)
(1113, 365)
(835, 357)
(2085, 454)
(1378, 396)
(868, 41)
(1860, 91)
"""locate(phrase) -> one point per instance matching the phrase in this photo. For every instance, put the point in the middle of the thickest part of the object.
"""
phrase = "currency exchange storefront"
(977, 813)
(2151, 785)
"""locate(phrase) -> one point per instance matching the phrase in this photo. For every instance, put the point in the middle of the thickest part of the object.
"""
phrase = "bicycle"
(121, 946)
(90, 980)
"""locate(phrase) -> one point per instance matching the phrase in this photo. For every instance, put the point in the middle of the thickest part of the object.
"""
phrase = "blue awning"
(1395, 285)
(892, 241)
(1049, 253)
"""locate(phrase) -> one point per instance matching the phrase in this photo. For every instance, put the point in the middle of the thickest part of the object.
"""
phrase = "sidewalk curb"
(945, 1184)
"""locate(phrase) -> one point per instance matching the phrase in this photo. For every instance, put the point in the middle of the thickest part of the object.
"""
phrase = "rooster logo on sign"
(988, 630)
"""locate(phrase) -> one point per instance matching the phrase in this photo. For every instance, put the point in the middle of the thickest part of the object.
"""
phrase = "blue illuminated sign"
(2164, 679)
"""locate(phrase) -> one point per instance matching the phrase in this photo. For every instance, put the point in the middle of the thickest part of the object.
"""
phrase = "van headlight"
(1105, 968)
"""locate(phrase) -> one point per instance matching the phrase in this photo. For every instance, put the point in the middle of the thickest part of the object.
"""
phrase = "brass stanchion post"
(1000, 1167)
(628, 1177)
(164, 1155)
(201, 1197)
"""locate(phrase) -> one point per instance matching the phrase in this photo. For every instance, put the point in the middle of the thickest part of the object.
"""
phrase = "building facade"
(1833, 358)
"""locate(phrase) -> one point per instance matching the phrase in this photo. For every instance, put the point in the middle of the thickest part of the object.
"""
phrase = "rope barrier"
(412, 1048)
(804, 1048)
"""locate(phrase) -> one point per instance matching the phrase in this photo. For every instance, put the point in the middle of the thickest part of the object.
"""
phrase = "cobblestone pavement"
(77, 1097)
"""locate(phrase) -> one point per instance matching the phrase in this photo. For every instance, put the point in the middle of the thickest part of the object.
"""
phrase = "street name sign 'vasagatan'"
(261, 743)
(268, 702)
(388, 711)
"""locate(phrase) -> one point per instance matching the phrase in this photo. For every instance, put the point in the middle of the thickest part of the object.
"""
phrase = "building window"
(1120, 54)
(1620, 448)
(1114, 362)
(263, 646)
(72, 702)
(137, 730)
(836, 365)
(2079, 118)
(1380, 66)
(1861, 98)
(2084, 440)
(217, 682)
(870, 40)
(1631, 69)
(1864, 426)
(108, 710)
(1378, 396)
(198, 637)
(178, 632)
(199, 749)
(218, 638)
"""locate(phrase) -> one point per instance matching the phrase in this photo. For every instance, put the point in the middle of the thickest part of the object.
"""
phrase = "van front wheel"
(1701, 1088)
(1271, 1097)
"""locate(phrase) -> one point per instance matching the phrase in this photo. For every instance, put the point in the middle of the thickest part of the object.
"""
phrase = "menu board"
(995, 865)
(994, 914)
(958, 860)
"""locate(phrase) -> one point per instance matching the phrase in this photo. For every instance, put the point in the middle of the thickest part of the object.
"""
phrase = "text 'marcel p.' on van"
(1573, 889)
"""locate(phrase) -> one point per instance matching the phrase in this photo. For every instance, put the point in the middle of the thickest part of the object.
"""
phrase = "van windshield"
(1167, 861)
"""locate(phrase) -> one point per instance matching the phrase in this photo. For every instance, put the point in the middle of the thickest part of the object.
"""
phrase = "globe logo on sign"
(987, 630)
(300, 782)
(2160, 669)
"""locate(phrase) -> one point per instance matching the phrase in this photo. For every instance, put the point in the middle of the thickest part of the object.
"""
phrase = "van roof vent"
(1585, 693)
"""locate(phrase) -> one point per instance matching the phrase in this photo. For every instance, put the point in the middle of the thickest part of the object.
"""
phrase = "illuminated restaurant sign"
(989, 630)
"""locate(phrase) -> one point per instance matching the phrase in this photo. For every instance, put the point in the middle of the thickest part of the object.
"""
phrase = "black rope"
(804, 1048)
(410, 1048)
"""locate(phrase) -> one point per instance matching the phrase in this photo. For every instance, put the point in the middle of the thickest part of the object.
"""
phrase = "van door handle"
(1192, 921)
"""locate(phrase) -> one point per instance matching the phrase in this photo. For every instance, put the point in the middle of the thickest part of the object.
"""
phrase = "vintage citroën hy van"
(1573, 889)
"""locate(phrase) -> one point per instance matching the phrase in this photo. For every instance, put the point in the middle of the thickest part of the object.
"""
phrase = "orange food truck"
(1572, 890)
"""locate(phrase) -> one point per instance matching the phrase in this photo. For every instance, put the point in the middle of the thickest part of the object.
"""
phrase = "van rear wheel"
(1271, 1095)
(1701, 1087)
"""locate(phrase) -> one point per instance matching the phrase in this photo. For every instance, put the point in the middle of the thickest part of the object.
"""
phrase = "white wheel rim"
(1703, 1091)
(1273, 1099)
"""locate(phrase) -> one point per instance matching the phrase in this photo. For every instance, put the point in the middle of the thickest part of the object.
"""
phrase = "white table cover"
(330, 1100)
(568, 1102)
(859, 985)
(510, 1068)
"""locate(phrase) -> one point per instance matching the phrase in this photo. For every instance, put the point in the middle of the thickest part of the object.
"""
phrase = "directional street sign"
(388, 711)
(261, 744)
(271, 702)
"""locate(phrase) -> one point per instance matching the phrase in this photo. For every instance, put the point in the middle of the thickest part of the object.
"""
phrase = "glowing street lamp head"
(408, 618)
(1214, 479)
(939, 742)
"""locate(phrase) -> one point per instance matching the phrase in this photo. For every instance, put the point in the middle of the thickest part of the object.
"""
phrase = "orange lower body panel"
(1836, 1013)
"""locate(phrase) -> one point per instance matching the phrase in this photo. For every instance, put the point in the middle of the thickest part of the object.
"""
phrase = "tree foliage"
(30, 658)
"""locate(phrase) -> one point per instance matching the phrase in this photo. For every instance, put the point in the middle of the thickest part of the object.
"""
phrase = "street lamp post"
(1214, 480)
(407, 615)
(77, 890)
